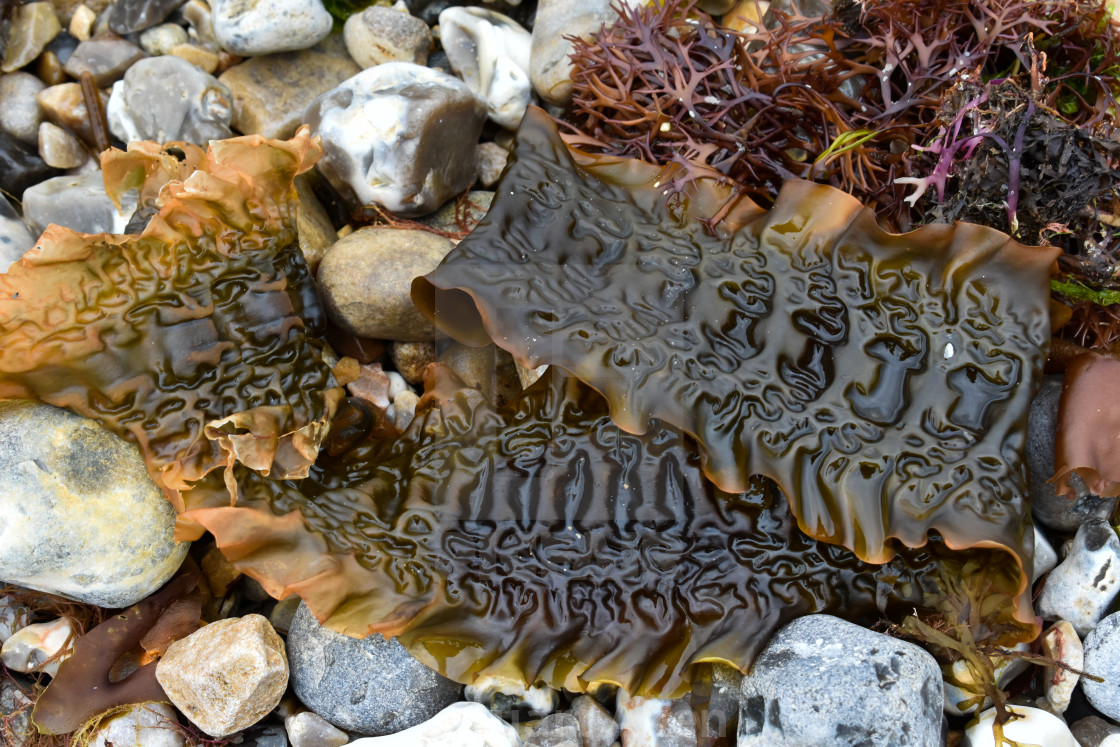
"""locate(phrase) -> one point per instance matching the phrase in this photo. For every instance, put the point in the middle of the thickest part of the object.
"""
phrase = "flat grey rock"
(128, 16)
(167, 98)
(825, 682)
(77, 202)
(368, 685)
(79, 515)
(1083, 585)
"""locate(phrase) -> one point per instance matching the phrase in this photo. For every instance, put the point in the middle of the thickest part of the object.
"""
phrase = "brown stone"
(316, 232)
(63, 104)
(411, 358)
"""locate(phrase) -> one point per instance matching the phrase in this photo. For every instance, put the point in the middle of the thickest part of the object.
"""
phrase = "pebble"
(504, 696)
(79, 515)
(316, 232)
(457, 725)
(557, 730)
(488, 369)
(1102, 658)
(271, 92)
(649, 722)
(20, 165)
(15, 239)
(21, 113)
(130, 16)
(597, 727)
(105, 59)
(1094, 731)
(77, 202)
(404, 409)
(167, 98)
(550, 70)
(411, 358)
(366, 281)
(200, 23)
(1055, 511)
(399, 135)
(13, 617)
(161, 39)
(81, 23)
(64, 105)
(381, 689)
(1061, 643)
(454, 217)
(1082, 587)
(308, 729)
(60, 148)
(33, 27)
(227, 675)
(141, 725)
(253, 27)
(29, 647)
(378, 35)
(202, 58)
(490, 52)
(1034, 727)
(823, 681)
(15, 714)
(1045, 558)
(492, 159)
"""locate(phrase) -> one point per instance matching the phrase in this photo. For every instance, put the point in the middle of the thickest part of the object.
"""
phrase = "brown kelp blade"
(539, 541)
(1089, 425)
(881, 380)
(192, 338)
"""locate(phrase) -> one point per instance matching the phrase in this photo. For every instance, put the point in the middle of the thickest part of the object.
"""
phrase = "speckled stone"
(557, 730)
(271, 92)
(161, 39)
(79, 515)
(1084, 584)
(411, 358)
(253, 27)
(1102, 658)
(597, 727)
(141, 725)
(21, 113)
(378, 35)
(368, 685)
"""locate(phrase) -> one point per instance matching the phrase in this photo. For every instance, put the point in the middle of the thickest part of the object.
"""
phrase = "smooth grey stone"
(129, 16)
(255, 27)
(399, 135)
(1094, 731)
(20, 165)
(1049, 508)
(77, 202)
(829, 683)
(21, 113)
(1102, 658)
(15, 238)
(657, 723)
(105, 59)
(378, 35)
(167, 98)
(79, 515)
(597, 727)
(368, 685)
(1084, 584)
(63, 45)
(1045, 558)
(557, 730)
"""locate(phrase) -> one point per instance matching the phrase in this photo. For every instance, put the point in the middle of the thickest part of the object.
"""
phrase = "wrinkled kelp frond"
(881, 380)
(539, 541)
(192, 338)
(1089, 425)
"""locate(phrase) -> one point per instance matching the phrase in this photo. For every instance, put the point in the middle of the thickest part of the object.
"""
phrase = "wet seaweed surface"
(881, 380)
(539, 541)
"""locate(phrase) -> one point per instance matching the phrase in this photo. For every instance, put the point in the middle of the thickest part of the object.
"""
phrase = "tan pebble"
(491, 162)
(64, 105)
(49, 69)
(346, 371)
(33, 26)
(220, 573)
(411, 358)
(60, 148)
(81, 23)
(197, 56)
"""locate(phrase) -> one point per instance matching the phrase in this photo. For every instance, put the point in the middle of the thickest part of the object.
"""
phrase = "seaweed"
(882, 381)
(1088, 426)
(536, 540)
(195, 338)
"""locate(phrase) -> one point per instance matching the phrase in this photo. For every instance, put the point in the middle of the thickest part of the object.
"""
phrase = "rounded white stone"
(1035, 726)
(490, 52)
(253, 27)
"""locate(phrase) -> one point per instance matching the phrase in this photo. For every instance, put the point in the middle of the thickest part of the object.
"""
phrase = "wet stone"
(163, 38)
(39, 647)
(271, 92)
(33, 26)
(557, 730)
(105, 59)
(491, 162)
(20, 165)
(129, 16)
(457, 216)
(60, 148)
(1102, 658)
(309, 729)
(167, 98)
(490, 52)
(378, 35)
(79, 515)
(15, 238)
(1083, 585)
(77, 202)
(64, 105)
(826, 682)
(21, 114)
(1094, 731)
(1049, 508)
(505, 697)
(368, 685)
(649, 722)
(411, 358)
(550, 70)
(253, 27)
(597, 727)
(399, 135)
(141, 725)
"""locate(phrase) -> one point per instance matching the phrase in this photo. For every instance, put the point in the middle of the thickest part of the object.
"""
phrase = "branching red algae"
(194, 338)
(538, 541)
(883, 381)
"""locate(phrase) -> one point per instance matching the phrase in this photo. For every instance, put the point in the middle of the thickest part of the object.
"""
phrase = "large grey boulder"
(829, 683)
